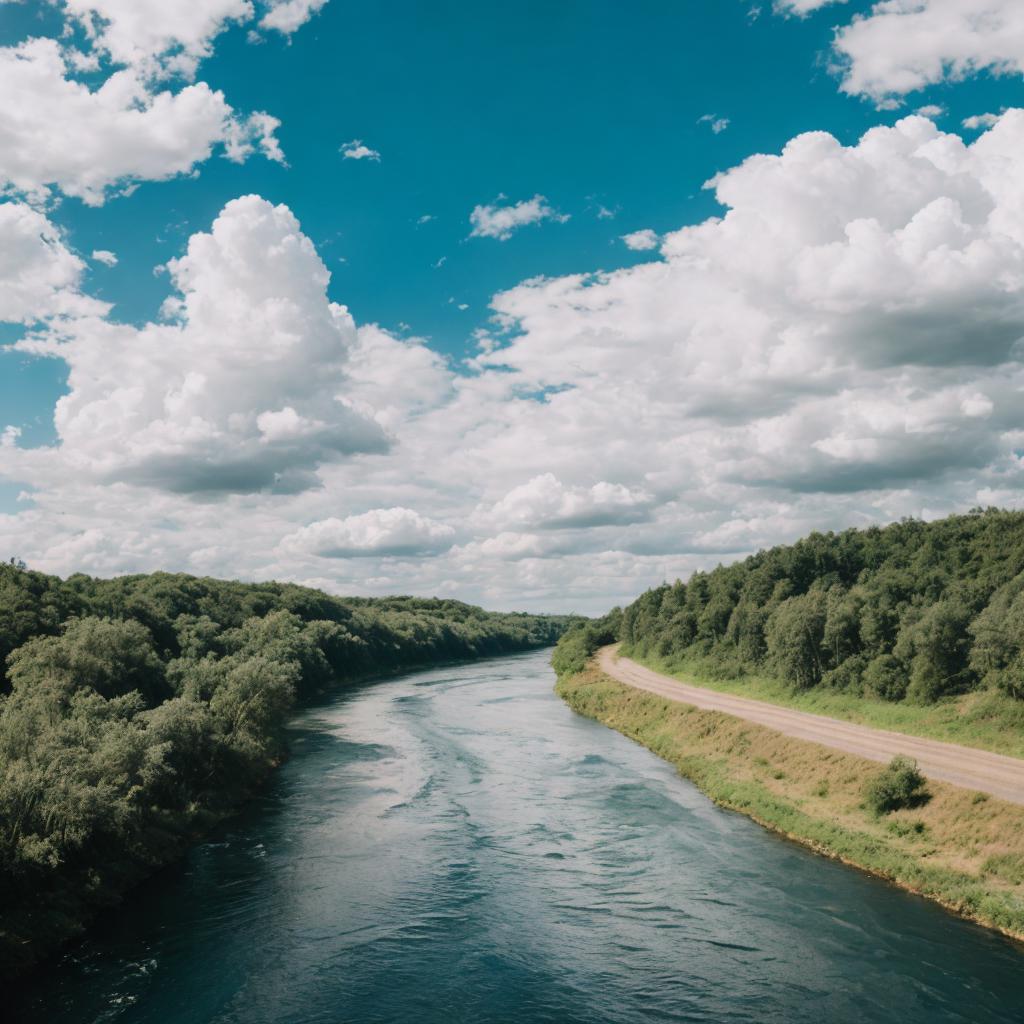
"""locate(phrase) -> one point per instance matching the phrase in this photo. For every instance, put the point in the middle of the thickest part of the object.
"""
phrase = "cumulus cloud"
(841, 346)
(394, 380)
(154, 35)
(356, 150)
(902, 46)
(383, 532)
(242, 391)
(546, 503)
(642, 240)
(128, 121)
(105, 256)
(821, 333)
(976, 121)
(501, 222)
(39, 274)
(287, 16)
(57, 132)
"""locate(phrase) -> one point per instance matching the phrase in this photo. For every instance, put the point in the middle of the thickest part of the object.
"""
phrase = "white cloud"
(802, 7)
(714, 122)
(501, 222)
(356, 150)
(383, 532)
(642, 240)
(976, 121)
(287, 16)
(243, 392)
(39, 274)
(931, 110)
(56, 131)
(394, 380)
(105, 256)
(902, 46)
(546, 503)
(841, 346)
(156, 35)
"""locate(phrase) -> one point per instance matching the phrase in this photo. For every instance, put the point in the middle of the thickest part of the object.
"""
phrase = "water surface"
(456, 845)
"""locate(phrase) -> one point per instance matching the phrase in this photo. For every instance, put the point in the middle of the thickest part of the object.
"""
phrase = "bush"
(886, 677)
(899, 785)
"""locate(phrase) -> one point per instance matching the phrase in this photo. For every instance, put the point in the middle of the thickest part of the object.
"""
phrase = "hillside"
(135, 712)
(908, 614)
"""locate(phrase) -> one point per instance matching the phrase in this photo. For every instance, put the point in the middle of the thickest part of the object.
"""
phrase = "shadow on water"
(456, 845)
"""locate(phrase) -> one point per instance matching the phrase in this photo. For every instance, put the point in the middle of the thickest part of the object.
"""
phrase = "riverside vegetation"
(917, 627)
(138, 711)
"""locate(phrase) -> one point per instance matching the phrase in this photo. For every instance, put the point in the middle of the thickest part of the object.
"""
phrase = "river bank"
(962, 849)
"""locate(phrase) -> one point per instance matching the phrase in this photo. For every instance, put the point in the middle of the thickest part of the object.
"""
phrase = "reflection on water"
(456, 845)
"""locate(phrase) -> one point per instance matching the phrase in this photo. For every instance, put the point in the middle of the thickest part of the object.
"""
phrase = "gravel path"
(962, 766)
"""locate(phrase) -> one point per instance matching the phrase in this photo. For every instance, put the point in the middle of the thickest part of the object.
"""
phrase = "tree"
(110, 657)
(794, 634)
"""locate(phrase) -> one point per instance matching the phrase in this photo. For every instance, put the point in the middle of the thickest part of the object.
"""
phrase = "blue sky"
(608, 111)
(591, 103)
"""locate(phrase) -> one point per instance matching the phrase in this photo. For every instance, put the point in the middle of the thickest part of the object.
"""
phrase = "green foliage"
(886, 677)
(914, 612)
(578, 643)
(795, 634)
(898, 785)
(136, 711)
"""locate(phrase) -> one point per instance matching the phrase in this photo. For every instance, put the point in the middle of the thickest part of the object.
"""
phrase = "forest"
(912, 612)
(136, 712)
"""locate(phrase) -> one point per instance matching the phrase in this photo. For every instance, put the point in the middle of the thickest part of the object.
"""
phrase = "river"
(457, 846)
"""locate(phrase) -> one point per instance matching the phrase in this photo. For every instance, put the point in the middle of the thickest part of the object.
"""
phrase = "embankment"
(962, 849)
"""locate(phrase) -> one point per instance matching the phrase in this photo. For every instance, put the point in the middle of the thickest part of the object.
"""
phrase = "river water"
(456, 845)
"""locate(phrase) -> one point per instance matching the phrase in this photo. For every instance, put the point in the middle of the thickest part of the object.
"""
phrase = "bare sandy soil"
(962, 766)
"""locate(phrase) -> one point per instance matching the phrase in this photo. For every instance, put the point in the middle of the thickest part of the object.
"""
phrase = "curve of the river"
(457, 846)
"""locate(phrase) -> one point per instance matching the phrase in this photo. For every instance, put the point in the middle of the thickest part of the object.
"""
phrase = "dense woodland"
(137, 711)
(911, 612)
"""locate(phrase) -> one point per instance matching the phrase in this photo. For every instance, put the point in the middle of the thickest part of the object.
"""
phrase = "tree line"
(914, 612)
(135, 712)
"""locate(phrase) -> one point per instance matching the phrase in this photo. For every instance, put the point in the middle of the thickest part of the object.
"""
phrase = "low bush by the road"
(898, 785)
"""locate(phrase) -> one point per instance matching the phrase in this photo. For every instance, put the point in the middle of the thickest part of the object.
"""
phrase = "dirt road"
(962, 766)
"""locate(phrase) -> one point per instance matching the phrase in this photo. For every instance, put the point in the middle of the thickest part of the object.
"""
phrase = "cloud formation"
(40, 276)
(802, 7)
(100, 108)
(59, 133)
(153, 35)
(356, 150)
(501, 222)
(842, 345)
(242, 391)
(385, 532)
(902, 46)
(287, 16)
(641, 241)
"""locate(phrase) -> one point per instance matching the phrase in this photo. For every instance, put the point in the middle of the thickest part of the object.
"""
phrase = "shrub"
(885, 677)
(898, 785)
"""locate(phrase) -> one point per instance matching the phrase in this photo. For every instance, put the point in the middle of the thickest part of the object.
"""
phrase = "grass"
(983, 719)
(956, 849)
